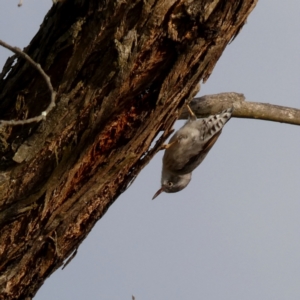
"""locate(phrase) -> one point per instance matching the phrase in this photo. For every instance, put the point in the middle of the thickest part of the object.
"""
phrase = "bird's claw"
(166, 146)
(192, 115)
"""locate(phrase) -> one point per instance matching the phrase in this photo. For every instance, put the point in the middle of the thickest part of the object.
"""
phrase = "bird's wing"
(196, 159)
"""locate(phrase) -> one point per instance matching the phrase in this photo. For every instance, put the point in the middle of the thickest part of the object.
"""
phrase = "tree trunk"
(122, 71)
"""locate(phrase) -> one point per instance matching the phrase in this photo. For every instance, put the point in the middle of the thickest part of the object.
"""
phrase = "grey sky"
(234, 232)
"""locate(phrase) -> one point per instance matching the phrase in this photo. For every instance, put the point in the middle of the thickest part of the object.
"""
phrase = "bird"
(187, 149)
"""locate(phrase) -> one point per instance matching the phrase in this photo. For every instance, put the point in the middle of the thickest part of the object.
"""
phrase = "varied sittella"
(187, 149)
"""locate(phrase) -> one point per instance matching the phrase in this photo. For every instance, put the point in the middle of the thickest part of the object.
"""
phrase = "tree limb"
(213, 104)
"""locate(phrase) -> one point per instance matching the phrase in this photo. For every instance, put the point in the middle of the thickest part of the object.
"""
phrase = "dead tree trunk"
(122, 71)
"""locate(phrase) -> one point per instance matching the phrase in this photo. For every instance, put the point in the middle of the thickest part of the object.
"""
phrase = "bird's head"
(171, 183)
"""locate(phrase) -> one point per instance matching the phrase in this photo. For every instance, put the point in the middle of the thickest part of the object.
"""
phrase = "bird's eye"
(170, 184)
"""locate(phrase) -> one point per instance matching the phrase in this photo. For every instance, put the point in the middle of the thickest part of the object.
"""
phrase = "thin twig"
(43, 115)
(213, 104)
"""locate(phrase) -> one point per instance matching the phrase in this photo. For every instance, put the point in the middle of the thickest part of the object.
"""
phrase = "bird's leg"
(192, 115)
(166, 146)
(165, 136)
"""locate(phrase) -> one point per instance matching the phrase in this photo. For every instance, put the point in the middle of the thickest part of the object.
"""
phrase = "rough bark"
(122, 71)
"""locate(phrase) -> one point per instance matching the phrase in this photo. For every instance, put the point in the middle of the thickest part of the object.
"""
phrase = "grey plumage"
(187, 149)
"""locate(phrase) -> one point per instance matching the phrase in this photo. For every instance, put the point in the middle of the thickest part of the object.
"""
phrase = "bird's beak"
(158, 192)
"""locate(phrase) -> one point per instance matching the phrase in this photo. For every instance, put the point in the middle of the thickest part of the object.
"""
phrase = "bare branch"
(43, 115)
(213, 104)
